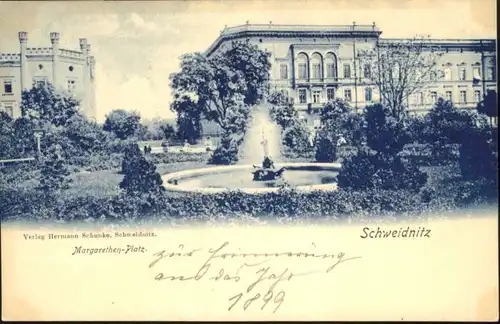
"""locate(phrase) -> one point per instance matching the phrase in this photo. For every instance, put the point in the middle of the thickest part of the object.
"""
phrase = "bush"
(424, 154)
(326, 147)
(385, 133)
(476, 192)
(284, 203)
(479, 155)
(416, 126)
(367, 170)
(283, 114)
(227, 151)
(54, 173)
(122, 123)
(296, 136)
(131, 158)
(141, 177)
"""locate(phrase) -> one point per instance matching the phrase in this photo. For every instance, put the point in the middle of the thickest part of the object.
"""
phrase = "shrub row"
(427, 155)
(35, 205)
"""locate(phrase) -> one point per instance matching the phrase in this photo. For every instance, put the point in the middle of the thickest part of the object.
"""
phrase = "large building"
(70, 71)
(313, 64)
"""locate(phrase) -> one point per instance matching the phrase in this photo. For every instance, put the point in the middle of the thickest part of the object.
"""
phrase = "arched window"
(302, 64)
(317, 66)
(331, 65)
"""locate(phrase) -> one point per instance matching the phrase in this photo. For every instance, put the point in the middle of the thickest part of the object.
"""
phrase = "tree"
(188, 118)
(379, 165)
(334, 110)
(44, 103)
(131, 155)
(297, 136)
(366, 170)
(220, 85)
(86, 136)
(489, 105)
(399, 69)
(254, 65)
(337, 121)
(122, 123)
(227, 151)
(140, 176)
(54, 173)
(6, 137)
(156, 129)
(384, 132)
(168, 131)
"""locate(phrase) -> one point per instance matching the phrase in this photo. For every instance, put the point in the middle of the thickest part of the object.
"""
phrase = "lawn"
(106, 182)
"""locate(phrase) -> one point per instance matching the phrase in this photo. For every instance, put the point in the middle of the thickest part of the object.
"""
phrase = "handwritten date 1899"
(277, 300)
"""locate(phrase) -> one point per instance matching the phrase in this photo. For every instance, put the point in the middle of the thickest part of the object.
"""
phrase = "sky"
(137, 44)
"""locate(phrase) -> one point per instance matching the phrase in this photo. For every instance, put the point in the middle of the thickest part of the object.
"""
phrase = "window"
(477, 95)
(447, 74)
(347, 71)
(448, 95)
(463, 96)
(367, 72)
(434, 97)
(9, 110)
(7, 86)
(283, 71)
(302, 71)
(71, 85)
(330, 70)
(491, 73)
(368, 94)
(347, 95)
(316, 71)
(40, 83)
(70, 69)
(433, 75)
(316, 96)
(302, 96)
(330, 94)
(476, 73)
(463, 75)
(421, 98)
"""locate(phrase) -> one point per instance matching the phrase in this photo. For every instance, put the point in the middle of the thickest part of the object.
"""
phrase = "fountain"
(256, 173)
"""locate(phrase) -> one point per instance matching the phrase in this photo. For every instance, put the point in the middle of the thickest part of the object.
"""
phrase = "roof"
(339, 31)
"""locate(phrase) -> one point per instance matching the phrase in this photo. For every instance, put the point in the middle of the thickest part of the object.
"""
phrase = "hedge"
(29, 204)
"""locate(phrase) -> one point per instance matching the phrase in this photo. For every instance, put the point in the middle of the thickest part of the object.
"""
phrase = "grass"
(105, 183)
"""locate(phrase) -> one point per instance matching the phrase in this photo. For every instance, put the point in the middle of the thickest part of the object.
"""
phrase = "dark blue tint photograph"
(370, 126)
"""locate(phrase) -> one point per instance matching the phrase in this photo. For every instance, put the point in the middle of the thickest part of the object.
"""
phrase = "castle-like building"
(314, 64)
(70, 71)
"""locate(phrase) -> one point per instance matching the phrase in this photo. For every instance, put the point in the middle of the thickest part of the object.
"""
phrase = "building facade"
(314, 64)
(69, 71)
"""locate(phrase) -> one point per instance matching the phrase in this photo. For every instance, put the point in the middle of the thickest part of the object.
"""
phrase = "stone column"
(54, 39)
(23, 41)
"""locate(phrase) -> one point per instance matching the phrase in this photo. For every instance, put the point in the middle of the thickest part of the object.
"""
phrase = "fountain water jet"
(263, 138)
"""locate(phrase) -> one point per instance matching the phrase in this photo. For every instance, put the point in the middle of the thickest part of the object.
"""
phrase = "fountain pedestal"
(267, 172)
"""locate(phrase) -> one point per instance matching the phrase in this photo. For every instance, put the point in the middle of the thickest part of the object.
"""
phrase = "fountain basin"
(301, 176)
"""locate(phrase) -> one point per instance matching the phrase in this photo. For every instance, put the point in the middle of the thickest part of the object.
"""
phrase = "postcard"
(249, 160)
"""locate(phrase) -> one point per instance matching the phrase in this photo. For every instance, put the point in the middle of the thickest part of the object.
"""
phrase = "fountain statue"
(267, 172)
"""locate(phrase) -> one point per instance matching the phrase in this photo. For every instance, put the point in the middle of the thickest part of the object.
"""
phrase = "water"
(261, 128)
(238, 179)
